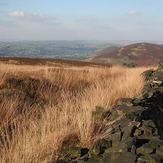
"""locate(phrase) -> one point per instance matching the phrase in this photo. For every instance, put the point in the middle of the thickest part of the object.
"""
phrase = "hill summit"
(139, 54)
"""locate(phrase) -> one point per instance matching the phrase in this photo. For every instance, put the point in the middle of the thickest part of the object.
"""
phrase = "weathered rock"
(99, 147)
(120, 124)
(152, 158)
(157, 157)
(123, 109)
(140, 96)
(70, 154)
(126, 145)
(133, 113)
(133, 149)
(89, 161)
(156, 141)
(147, 130)
(111, 157)
(147, 74)
(93, 157)
(146, 159)
(146, 149)
(125, 101)
(115, 138)
(159, 76)
(129, 130)
(136, 101)
(149, 123)
(160, 150)
(138, 132)
(118, 157)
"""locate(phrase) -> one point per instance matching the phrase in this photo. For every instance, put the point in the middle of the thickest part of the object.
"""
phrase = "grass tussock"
(44, 109)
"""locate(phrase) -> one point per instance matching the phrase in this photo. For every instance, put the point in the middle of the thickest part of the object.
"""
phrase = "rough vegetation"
(47, 62)
(135, 129)
(49, 110)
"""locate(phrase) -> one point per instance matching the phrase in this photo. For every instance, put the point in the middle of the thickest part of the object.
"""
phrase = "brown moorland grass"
(46, 109)
(43, 61)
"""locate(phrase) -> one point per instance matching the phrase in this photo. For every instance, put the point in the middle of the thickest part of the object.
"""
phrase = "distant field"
(46, 106)
(71, 50)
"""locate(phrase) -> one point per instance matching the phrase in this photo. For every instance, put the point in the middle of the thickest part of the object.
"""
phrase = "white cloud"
(28, 16)
(133, 12)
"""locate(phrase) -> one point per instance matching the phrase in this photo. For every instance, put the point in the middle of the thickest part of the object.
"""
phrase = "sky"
(81, 20)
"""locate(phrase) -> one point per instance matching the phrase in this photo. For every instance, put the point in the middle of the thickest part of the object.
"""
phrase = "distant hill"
(139, 54)
(107, 49)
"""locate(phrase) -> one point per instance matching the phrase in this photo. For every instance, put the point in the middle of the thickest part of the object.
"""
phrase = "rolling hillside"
(140, 54)
(107, 49)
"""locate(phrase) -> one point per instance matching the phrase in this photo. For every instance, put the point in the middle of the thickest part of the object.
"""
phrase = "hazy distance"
(81, 20)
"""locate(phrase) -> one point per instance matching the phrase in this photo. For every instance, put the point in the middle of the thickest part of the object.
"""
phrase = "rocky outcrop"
(135, 133)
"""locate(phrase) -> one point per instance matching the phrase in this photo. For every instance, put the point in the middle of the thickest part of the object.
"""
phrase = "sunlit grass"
(45, 109)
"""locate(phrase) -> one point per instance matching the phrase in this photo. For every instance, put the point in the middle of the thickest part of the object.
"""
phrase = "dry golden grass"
(46, 109)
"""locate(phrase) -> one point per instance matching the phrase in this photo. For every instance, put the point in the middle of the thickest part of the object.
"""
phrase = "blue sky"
(81, 19)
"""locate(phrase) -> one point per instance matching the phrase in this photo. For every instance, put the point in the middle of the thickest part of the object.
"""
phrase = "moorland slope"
(45, 62)
(107, 50)
(140, 54)
(48, 106)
